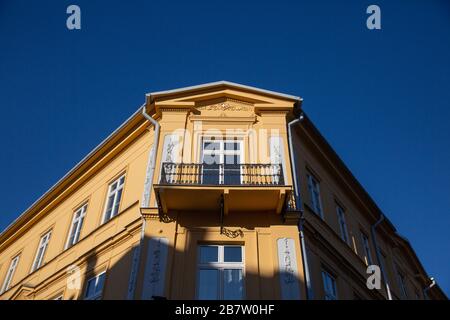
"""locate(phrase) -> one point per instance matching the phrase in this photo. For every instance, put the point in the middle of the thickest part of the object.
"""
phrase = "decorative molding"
(232, 233)
(287, 264)
(227, 104)
(155, 268)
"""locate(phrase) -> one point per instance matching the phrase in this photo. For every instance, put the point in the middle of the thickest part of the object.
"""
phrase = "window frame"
(39, 256)
(222, 152)
(325, 276)
(401, 280)
(220, 265)
(10, 274)
(83, 209)
(119, 187)
(342, 221)
(315, 205)
(366, 248)
(96, 295)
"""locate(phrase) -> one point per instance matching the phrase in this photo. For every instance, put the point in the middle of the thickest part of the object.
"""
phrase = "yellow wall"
(110, 246)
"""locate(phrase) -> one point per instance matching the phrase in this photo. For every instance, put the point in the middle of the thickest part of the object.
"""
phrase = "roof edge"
(223, 83)
(69, 173)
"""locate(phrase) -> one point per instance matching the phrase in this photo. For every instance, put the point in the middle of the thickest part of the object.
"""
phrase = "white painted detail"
(134, 270)
(277, 153)
(155, 268)
(146, 193)
(287, 263)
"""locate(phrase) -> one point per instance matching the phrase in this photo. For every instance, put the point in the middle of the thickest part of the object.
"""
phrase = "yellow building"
(193, 197)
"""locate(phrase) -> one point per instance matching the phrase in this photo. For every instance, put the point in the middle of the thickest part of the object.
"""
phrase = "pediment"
(222, 96)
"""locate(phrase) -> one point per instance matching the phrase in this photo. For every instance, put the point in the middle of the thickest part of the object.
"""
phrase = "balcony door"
(221, 161)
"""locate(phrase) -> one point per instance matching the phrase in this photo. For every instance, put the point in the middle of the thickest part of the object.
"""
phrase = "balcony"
(208, 187)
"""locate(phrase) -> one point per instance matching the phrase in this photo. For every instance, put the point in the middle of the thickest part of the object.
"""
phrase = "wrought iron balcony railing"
(222, 174)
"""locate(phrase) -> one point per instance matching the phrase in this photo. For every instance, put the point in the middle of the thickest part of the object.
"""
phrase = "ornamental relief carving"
(227, 105)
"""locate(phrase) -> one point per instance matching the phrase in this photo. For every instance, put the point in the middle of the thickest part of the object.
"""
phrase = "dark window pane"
(232, 254)
(211, 146)
(211, 159)
(232, 159)
(90, 290)
(211, 174)
(232, 146)
(208, 254)
(208, 284)
(100, 283)
(232, 175)
(233, 284)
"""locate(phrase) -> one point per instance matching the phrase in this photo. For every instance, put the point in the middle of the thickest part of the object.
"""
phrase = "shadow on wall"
(181, 278)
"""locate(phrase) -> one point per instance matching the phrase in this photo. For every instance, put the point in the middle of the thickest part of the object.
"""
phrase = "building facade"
(195, 197)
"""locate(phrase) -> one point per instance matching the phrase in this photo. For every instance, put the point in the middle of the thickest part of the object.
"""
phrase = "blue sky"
(381, 98)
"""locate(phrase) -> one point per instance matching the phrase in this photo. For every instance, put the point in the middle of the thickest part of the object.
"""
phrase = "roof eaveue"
(135, 114)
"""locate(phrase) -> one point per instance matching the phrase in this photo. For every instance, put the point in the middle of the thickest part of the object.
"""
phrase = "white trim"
(223, 83)
(41, 250)
(97, 294)
(10, 273)
(222, 153)
(220, 266)
(79, 221)
(116, 202)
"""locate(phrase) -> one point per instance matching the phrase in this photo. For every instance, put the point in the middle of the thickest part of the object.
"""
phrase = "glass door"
(221, 161)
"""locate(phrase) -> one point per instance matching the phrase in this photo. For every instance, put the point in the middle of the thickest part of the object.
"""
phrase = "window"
(366, 247)
(94, 287)
(314, 192)
(342, 224)
(221, 161)
(75, 228)
(329, 286)
(113, 199)
(220, 272)
(384, 265)
(401, 283)
(10, 274)
(43, 244)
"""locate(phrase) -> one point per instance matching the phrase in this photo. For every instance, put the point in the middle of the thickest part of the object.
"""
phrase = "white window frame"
(41, 250)
(220, 265)
(316, 203)
(342, 224)
(76, 226)
(366, 247)
(329, 286)
(401, 279)
(222, 152)
(96, 278)
(116, 202)
(10, 274)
